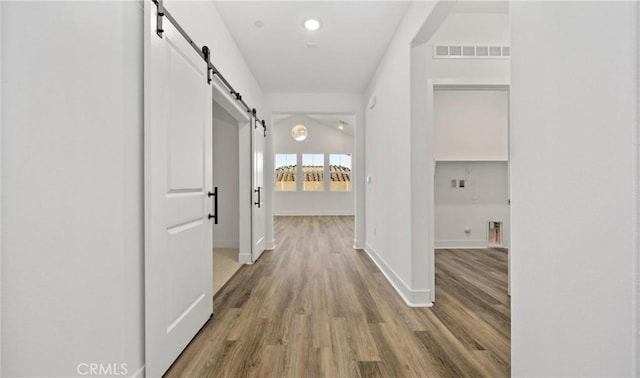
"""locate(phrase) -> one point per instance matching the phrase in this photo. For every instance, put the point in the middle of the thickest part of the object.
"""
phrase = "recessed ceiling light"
(312, 45)
(258, 24)
(312, 24)
(341, 127)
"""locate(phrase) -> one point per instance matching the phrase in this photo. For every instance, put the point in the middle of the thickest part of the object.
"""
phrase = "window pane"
(313, 171)
(340, 168)
(286, 165)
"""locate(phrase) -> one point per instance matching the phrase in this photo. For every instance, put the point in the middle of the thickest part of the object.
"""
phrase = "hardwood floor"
(315, 307)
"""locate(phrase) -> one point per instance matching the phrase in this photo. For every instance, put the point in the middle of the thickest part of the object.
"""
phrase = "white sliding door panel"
(258, 226)
(178, 153)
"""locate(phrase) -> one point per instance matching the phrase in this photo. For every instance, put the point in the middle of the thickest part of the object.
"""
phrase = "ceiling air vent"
(471, 51)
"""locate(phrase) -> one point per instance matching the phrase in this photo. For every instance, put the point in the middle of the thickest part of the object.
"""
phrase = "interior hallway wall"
(392, 195)
(72, 187)
(574, 152)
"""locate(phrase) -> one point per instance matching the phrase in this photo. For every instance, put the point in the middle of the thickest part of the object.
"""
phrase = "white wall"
(72, 187)
(331, 103)
(574, 157)
(484, 198)
(72, 180)
(470, 28)
(471, 125)
(321, 139)
(392, 207)
(226, 234)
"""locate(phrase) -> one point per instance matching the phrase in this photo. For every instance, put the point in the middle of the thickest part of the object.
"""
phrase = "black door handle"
(257, 191)
(214, 194)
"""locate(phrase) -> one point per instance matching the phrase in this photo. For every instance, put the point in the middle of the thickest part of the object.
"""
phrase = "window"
(313, 172)
(286, 166)
(340, 169)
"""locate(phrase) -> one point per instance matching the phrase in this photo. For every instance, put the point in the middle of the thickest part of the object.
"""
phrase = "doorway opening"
(467, 95)
(313, 164)
(226, 165)
(471, 174)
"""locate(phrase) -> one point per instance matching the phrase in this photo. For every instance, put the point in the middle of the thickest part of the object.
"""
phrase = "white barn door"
(258, 224)
(178, 177)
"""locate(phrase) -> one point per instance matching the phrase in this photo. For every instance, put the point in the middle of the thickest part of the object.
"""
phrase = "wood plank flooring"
(315, 307)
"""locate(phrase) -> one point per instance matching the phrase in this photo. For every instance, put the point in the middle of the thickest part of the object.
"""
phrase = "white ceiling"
(351, 41)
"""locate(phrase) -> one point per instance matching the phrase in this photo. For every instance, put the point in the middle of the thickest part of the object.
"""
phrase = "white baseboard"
(226, 244)
(460, 244)
(271, 245)
(139, 373)
(312, 213)
(413, 298)
(358, 244)
(245, 258)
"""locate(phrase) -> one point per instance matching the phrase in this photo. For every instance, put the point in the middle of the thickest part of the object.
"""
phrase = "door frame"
(255, 124)
(433, 85)
(0, 189)
(222, 97)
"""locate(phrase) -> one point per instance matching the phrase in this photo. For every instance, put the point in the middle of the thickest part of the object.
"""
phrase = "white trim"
(464, 244)
(270, 245)
(303, 213)
(223, 98)
(1, 338)
(431, 258)
(636, 193)
(466, 84)
(139, 373)
(413, 298)
(358, 244)
(434, 85)
(245, 220)
(245, 258)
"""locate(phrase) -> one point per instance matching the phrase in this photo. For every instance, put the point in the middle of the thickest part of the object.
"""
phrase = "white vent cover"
(471, 51)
